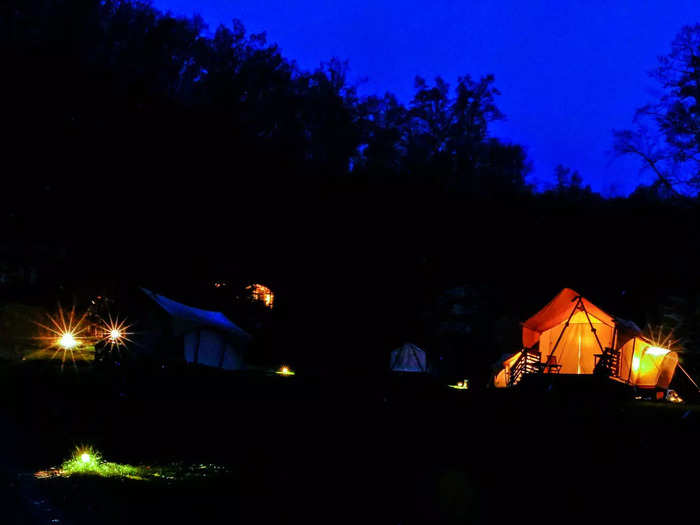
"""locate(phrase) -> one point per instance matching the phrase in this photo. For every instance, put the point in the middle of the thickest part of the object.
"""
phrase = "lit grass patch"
(86, 461)
(84, 353)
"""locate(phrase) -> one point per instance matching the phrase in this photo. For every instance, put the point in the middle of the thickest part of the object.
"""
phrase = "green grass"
(84, 353)
(86, 461)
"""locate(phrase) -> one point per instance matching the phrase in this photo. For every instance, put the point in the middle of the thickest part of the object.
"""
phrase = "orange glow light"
(64, 333)
(262, 294)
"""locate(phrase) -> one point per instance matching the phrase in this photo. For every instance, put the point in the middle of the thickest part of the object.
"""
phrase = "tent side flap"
(212, 348)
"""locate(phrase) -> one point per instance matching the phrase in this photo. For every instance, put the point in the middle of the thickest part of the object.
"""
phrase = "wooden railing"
(527, 363)
(608, 363)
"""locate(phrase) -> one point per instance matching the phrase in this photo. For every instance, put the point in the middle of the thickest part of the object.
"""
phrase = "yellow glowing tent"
(571, 335)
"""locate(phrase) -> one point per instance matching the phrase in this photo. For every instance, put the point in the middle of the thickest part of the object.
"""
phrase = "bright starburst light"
(663, 338)
(65, 332)
(116, 332)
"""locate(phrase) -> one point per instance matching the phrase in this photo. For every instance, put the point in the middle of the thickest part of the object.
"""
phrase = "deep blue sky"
(569, 70)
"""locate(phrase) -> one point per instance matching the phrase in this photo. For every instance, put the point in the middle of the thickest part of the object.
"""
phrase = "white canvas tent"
(408, 358)
(209, 338)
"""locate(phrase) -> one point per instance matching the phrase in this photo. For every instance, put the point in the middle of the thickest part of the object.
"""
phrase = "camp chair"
(607, 363)
(550, 366)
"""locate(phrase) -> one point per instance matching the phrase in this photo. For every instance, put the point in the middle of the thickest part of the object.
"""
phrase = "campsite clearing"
(310, 449)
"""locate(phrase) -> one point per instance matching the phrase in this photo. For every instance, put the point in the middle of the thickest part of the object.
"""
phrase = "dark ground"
(305, 450)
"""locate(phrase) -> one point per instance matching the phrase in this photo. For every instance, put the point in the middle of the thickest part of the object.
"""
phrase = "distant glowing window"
(261, 294)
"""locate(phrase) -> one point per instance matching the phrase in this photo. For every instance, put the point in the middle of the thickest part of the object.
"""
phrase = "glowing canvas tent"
(571, 335)
(208, 338)
(408, 358)
(646, 365)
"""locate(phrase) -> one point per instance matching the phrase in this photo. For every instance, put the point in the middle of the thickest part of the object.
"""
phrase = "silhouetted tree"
(152, 148)
(667, 133)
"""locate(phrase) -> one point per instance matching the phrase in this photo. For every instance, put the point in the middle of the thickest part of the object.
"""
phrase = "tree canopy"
(150, 146)
(667, 134)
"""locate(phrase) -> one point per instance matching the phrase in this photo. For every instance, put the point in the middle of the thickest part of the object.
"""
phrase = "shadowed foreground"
(303, 450)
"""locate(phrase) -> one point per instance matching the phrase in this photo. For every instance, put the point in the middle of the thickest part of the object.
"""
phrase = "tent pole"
(196, 348)
(688, 376)
(634, 344)
(591, 324)
(561, 334)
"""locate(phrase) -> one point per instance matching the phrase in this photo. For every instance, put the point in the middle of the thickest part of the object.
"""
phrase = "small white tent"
(408, 358)
(209, 338)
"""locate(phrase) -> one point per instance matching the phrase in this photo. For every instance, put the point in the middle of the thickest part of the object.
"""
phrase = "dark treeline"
(143, 149)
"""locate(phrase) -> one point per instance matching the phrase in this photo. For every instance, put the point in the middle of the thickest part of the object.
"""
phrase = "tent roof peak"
(196, 317)
(558, 311)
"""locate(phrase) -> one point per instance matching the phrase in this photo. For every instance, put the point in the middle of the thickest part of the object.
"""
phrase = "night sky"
(569, 72)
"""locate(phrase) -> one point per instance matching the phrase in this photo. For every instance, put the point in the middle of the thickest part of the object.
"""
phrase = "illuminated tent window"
(261, 294)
